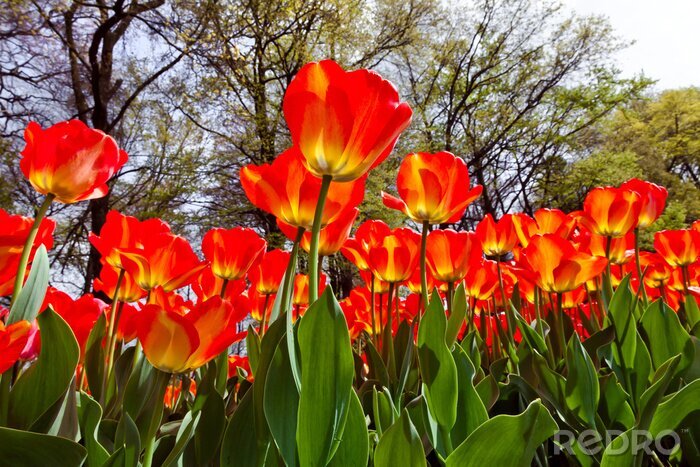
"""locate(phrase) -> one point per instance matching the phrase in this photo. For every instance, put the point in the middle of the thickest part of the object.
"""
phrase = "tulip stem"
(639, 266)
(28, 244)
(315, 233)
(111, 334)
(423, 269)
(223, 288)
(371, 306)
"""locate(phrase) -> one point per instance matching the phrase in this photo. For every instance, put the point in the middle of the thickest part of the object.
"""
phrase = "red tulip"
(331, 237)
(611, 212)
(70, 161)
(166, 260)
(14, 231)
(555, 266)
(497, 238)
(394, 259)
(433, 188)
(449, 254)
(652, 198)
(266, 275)
(121, 233)
(657, 272)
(344, 123)
(81, 314)
(546, 221)
(13, 339)
(177, 343)
(232, 252)
(678, 247)
(236, 362)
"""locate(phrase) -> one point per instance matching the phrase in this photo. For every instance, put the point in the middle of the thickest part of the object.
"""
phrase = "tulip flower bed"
(548, 339)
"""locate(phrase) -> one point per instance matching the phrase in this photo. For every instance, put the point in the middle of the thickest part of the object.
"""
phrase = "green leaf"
(212, 424)
(666, 336)
(437, 366)
(400, 445)
(619, 453)
(143, 398)
(471, 411)
(459, 312)
(384, 412)
(268, 346)
(652, 397)
(45, 382)
(252, 343)
(94, 364)
(281, 404)
(184, 434)
(692, 312)
(622, 315)
(613, 407)
(127, 443)
(530, 335)
(582, 391)
(23, 448)
(354, 447)
(377, 369)
(675, 408)
(327, 362)
(404, 345)
(506, 439)
(90, 414)
(28, 303)
(238, 447)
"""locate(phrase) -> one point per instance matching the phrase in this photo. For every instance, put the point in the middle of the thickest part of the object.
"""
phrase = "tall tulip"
(678, 247)
(652, 200)
(450, 254)
(266, 275)
(497, 238)
(344, 123)
(331, 238)
(434, 189)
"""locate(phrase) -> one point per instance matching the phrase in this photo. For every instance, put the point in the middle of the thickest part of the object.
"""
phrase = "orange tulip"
(207, 285)
(371, 280)
(678, 247)
(256, 304)
(177, 343)
(652, 199)
(166, 260)
(621, 248)
(300, 297)
(122, 232)
(433, 188)
(232, 252)
(70, 161)
(395, 258)
(368, 234)
(657, 272)
(555, 266)
(344, 123)
(13, 339)
(266, 275)
(497, 238)
(288, 191)
(14, 231)
(546, 221)
(414, 282)
(611, 212)
(331, 237)
(236, 362)
(129, 290)
(450, 253)
(482, 280)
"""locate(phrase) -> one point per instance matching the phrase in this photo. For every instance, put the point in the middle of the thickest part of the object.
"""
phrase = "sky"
(666, 35)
